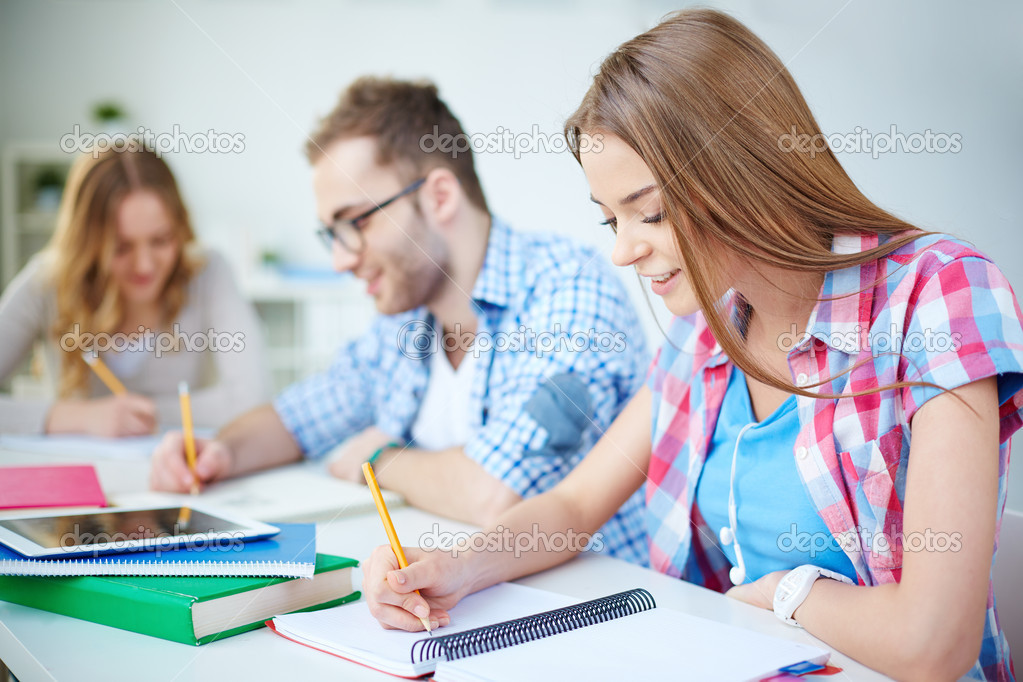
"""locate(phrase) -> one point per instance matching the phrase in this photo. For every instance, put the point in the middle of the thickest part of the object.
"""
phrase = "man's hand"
(169, 468)
(348, 464)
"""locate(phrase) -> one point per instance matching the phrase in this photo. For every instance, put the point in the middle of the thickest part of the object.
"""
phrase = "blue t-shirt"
(777, 526)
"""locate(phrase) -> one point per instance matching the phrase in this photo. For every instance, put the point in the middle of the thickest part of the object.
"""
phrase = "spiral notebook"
(289, 554)
(509, 632)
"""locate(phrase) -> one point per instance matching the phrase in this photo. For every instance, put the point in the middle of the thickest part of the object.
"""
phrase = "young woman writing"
(123, 275)
(832, 373)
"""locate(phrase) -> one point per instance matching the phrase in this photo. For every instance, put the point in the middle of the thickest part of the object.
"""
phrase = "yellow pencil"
(186, 427)
(392, 536)
(103, 372)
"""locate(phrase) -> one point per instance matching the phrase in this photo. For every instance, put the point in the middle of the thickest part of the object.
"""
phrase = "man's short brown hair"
(405, 117)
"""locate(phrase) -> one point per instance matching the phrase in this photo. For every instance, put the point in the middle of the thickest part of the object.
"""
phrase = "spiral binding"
(128, 567)
(529, 628)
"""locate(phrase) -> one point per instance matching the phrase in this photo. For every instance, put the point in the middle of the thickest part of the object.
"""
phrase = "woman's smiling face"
(147, 247)
(627, 193)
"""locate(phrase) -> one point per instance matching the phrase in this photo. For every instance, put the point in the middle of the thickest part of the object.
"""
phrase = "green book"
(191, 610)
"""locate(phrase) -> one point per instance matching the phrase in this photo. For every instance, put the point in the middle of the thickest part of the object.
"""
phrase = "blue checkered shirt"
(560, 353)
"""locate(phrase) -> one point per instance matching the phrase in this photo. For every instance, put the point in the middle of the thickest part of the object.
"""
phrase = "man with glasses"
(498, 357)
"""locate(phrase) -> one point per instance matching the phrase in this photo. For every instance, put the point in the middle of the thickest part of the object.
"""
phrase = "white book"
(292, 494)
(82, 446)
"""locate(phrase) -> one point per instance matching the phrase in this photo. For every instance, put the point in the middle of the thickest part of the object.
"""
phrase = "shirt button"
(802, 452)
(802, 379)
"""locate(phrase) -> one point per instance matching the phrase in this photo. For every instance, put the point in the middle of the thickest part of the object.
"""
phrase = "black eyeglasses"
(348, 231)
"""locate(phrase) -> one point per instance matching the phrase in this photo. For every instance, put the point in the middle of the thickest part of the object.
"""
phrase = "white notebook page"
(651, 645)
(350, 631)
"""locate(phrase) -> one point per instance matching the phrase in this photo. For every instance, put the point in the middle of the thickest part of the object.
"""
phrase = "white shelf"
(25, 229)
(306, 320)
(270, 287)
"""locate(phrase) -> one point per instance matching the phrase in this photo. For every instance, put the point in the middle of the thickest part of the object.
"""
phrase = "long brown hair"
(709, 107)
(82, 247)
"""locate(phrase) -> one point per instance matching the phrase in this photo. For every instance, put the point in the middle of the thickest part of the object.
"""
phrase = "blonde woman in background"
(124, 275)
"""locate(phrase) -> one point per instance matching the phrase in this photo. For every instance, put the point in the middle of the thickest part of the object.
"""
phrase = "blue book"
(289, 554)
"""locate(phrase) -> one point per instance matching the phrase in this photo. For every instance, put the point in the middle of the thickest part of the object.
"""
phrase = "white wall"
(267, 69)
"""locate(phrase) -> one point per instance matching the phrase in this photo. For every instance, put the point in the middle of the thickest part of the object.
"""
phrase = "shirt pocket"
(875, 480)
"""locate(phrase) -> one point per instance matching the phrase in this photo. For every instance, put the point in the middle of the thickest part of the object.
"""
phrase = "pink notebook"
(50, 486)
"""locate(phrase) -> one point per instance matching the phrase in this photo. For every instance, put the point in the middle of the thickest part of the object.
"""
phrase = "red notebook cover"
(50, 486)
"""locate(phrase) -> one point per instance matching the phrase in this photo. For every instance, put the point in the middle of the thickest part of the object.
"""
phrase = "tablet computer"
(114, 530)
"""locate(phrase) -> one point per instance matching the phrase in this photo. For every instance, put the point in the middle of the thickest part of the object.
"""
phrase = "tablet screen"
(84, 530)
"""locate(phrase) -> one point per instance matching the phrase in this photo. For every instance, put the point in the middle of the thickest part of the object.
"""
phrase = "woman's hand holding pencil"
(432, 580)
(409, 595)
(115, 416)
(112, 416)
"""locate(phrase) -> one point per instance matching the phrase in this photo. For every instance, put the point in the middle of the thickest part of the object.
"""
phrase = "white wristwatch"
(794, 587)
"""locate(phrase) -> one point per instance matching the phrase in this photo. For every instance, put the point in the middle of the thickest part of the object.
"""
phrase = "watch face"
(792, 590)
(785, 592)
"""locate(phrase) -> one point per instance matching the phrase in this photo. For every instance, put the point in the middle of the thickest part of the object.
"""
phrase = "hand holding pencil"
(392, 535)
(392, 594)
(169, 470)
(112, 416)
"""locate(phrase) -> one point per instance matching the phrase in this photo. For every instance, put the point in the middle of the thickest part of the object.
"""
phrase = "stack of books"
(193, 595)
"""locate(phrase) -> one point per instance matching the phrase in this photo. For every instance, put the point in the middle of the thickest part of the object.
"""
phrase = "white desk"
(37, 645)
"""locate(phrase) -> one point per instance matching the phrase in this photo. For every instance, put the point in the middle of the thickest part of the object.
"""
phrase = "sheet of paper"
(139, 447)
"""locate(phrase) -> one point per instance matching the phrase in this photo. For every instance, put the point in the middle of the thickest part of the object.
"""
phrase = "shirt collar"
(842, 323)
(842, 319)
(503, 266)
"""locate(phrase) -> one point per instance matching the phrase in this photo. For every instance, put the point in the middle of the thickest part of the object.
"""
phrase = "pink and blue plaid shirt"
(955, 319)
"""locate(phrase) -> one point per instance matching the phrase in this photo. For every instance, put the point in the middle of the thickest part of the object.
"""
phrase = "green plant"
(49, 177)
(107, 111)
(270, 258)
